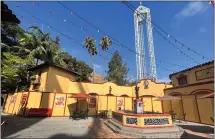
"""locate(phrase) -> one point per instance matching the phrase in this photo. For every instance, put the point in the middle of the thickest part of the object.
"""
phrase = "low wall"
(143, 120)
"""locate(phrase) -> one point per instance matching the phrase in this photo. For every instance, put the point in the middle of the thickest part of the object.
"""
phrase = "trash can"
(109, 114)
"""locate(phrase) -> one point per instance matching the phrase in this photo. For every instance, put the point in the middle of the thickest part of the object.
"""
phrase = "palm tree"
(105, 42)
(90, 45)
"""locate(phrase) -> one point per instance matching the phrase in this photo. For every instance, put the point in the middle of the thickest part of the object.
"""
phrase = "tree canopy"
(24, 49)
(117, 69)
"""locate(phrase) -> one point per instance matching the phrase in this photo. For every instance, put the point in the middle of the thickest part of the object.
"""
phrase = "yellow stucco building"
(53, 87)
(190, 84)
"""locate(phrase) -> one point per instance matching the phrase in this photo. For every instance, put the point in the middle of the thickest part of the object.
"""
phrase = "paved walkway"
(18, 127)
(196, 130)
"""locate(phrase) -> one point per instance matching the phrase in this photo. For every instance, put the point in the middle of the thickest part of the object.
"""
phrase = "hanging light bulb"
(64, 20)
(98, 30)
(33, 3)
(168, 35)
(71, 12)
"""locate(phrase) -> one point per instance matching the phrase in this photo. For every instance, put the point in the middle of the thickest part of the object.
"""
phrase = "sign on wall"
(120, 103)
(92, 102)
(204, 74)
(24, 99)
(60, 101)
(13, 99)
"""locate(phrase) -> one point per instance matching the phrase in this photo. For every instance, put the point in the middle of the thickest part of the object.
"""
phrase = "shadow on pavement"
(94, 129)
(198, 128)
(186, 135)
(17, 123)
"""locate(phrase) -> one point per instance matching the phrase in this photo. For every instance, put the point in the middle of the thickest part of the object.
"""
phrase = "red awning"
(211, 95)
(80, 95)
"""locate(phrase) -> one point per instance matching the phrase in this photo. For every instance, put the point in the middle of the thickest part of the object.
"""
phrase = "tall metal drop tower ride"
(142, 13)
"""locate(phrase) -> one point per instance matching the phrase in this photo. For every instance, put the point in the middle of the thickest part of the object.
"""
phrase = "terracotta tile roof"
(197, 66)
(7, 15)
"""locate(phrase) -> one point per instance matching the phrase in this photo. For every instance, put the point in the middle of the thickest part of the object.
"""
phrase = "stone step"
(112, 127)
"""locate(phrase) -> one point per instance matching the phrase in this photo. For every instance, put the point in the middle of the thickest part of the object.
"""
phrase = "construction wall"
(195, 109)
(62, 104)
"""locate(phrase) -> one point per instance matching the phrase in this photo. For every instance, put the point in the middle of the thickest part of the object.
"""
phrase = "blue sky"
(189, 22)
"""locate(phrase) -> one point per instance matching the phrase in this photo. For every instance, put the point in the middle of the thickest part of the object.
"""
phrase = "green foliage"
(90, 45)
(117, 70)
(105, 42)
(24, 49)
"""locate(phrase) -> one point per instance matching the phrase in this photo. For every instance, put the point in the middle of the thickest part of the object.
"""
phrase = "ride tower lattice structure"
(143, 13)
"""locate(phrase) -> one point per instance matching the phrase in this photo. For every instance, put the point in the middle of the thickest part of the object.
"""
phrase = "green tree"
(117, 69)
(77, 66)
(90, 45)
(105, 42)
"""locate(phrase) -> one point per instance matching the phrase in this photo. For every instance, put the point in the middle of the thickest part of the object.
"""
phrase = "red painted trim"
(41, 100)
(132, 103)
(141, 126)
(116, 103)
(24, 113)
(141, 115)
(171, 105)
(197, 109)
(124, 103)
(14, 103)
(201, 90)
(152, 105)
(175, 94)
(20, 103)
(5, 101)
(162, 106)
(182, 106)
(148, 96)
(124, 95)
(152, 81)
(9, 104)
(53, 104)
(189, 85)
(97, 106)
(107, 102)
(65, 105)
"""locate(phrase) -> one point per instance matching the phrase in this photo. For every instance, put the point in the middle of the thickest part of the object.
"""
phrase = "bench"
(40, 112)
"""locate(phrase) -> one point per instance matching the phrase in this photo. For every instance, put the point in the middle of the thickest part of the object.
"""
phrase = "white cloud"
(97, 66)
(202, 30)
(164, 79)
(192, 9)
